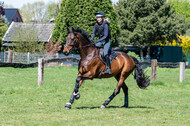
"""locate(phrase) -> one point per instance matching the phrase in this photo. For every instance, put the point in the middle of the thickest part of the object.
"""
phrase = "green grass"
(165, 102)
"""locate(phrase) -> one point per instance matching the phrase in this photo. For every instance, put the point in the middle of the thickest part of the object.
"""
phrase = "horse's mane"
(82, 32)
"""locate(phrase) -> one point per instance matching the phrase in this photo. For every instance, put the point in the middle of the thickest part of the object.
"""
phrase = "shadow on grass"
(110, 107)
(141, 107)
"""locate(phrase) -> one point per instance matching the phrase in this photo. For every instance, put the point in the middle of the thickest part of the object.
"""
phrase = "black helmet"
(100, 14)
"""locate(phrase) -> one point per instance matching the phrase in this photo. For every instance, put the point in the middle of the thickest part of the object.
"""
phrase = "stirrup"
(107, 71)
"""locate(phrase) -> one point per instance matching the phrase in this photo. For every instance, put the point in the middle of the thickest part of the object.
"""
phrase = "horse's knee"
(78, 79)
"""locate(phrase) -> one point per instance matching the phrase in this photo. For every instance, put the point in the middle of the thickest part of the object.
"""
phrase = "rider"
(101, 29)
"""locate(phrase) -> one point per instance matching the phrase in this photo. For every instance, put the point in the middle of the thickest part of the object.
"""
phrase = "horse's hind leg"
(108, 100)
(116, 91)
(125, 90)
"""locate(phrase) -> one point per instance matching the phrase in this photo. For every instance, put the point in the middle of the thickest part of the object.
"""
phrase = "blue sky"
(19, 3)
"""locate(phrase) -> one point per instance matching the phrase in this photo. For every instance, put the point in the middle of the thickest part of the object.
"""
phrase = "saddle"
(112, 54)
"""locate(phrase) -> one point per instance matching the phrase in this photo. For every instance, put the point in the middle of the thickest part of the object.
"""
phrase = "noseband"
(73, 45)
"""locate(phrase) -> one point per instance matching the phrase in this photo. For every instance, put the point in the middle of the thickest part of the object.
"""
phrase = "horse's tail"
(142, 80)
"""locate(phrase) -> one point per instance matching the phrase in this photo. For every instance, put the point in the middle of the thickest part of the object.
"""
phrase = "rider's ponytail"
(107, 20)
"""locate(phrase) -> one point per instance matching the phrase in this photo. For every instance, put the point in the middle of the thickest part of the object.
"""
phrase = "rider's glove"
(96, 41)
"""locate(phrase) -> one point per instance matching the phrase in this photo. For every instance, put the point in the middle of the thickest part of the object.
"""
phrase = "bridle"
(75, 48)
(75, 42)
(73, 45)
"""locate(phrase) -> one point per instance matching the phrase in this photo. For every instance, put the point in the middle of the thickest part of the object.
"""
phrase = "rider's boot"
(108, 65)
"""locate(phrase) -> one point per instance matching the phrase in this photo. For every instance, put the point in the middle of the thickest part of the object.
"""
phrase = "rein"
(83, 46)
(76, 41)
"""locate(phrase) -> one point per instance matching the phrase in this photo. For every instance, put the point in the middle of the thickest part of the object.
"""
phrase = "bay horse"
(90, 66)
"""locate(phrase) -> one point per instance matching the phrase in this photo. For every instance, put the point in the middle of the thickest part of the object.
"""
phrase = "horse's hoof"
(102, 106)
(68, 106)
(77, 95)
(125, 106)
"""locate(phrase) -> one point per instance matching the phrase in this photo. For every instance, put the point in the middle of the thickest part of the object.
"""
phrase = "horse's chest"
(87, 66)
(84, 67)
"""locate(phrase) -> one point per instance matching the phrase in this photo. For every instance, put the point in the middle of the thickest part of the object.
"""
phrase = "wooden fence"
(42, 62)
(153, 64)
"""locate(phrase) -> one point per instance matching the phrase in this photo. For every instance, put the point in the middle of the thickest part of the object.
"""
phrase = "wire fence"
(28, 58)
(2, 56)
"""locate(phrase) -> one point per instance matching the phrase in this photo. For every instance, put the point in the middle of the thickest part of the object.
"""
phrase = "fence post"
(57, 55)
(182, 71)
(40, 72)
(10, 56)
(153, 69)
(28, 57)
(187, 63)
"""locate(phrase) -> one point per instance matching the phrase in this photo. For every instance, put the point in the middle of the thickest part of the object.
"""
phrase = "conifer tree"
(80, 13)
(142, 22)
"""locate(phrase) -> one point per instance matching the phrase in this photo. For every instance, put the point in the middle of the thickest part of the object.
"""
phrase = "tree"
(3, 28)
(36, 10)
(52, 10)
(81, 13)
(185, 43)
(40, 11)
(143, 22)
(182, 7)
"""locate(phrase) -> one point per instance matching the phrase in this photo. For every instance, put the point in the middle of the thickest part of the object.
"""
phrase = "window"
(17, 20)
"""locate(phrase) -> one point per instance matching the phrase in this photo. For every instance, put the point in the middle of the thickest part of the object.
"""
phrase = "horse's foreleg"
(76, 94)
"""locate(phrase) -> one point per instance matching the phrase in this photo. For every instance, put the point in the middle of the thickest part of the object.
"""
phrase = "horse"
(91, 66)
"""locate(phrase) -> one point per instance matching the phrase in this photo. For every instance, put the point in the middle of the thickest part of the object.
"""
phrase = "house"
(12, 14)
(2, 11)
(18, 31)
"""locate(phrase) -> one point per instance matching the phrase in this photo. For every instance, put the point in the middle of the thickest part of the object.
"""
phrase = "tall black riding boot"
(108, 65)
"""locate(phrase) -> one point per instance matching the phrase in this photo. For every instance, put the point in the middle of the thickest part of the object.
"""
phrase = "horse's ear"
(69, 30)
(73, 30)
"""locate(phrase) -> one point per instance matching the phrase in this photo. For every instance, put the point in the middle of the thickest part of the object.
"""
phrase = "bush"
(133, 54)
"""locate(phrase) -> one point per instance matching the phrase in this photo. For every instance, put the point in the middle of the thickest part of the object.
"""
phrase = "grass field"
(165, 102)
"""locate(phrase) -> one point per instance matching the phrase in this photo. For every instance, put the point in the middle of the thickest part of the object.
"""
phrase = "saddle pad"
(111, 57)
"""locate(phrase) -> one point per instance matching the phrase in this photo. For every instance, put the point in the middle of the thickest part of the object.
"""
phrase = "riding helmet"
(100, 14)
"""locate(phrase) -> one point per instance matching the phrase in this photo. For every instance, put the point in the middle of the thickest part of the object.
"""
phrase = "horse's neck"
(87, 51)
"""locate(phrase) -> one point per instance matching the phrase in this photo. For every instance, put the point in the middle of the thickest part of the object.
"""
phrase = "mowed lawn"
(166, 102)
